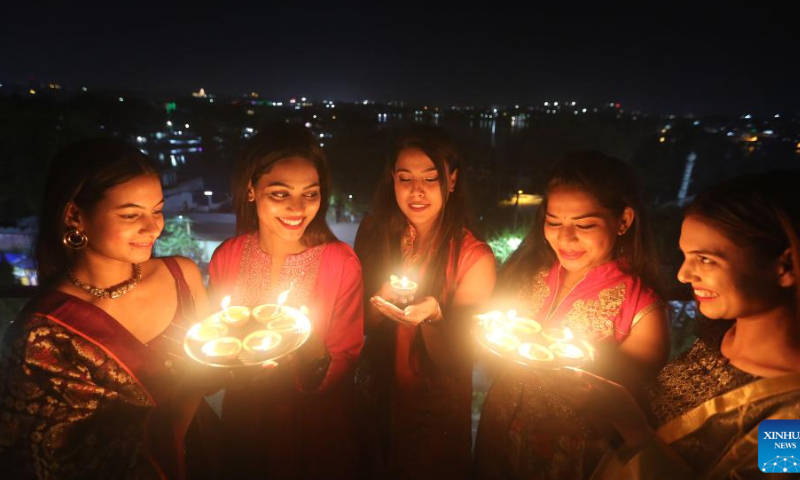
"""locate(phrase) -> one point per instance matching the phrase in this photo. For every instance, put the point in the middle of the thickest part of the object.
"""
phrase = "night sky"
(666, 57)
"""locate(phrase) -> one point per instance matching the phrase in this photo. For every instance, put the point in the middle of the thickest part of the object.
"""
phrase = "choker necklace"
(114, 292)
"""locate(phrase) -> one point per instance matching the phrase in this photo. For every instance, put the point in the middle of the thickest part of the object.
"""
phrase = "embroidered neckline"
(254, 285)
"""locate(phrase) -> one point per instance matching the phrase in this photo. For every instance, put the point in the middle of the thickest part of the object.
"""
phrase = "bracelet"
(438, 314)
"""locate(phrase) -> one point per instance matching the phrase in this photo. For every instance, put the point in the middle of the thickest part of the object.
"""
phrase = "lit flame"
(265, 344)
(511, 314)
(568, 334)
(589, 349)
(283, 296)
(226, 302)
(404, 282)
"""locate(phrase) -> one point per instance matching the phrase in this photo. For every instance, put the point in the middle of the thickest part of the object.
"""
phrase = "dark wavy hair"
(378, 239)
(759, 212)
(613, 184)
(81, 173)
(278, 142)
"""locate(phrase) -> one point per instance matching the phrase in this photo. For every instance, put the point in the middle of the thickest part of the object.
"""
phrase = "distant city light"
(555, 104)
(303, 99)
(662, 139)
(748, 116)
(186, 126)
(777, 115)
(696, 123)
(365, 102)
(314, 116)
(546, 104)
(293, 101)
(321, 135)
(84, 89)
(141, 139)
(32, 91)
(611, 104)
(248, 129)
(584, 110)
(730, 134)
(350, 196)
(516, 106)
(321, 145)
(169, 123)
(769, 132)
(121, 99)
(208, 193)
(573, 104)
(308, 124)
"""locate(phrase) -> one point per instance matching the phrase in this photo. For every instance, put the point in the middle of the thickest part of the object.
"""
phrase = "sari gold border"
(643, 312)
(745, 449)
(104, 349)
(752, 392)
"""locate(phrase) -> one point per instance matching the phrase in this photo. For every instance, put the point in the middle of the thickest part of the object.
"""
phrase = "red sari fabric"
(79, 391)
(273, 427)
(428, 432)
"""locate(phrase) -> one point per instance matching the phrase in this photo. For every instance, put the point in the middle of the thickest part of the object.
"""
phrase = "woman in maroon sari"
(296, 420)
(92, 378)
(417, 365)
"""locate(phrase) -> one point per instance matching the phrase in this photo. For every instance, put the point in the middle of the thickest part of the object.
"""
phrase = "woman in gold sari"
(742, 258)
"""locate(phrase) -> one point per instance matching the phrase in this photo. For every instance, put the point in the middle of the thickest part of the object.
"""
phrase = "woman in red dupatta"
(296, 420)
(416, 374)
(587, 265)
(92, 378)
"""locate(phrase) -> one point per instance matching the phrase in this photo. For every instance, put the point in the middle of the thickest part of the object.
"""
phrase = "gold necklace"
(113, 292)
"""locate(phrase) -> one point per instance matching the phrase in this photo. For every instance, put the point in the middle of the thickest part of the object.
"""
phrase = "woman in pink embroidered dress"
(417, 366)
(588, 265)
(296, 420)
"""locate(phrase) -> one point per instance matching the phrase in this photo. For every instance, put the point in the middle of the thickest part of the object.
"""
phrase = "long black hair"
(81, 173)
(270, 145)
(613, 184)
(378, 239)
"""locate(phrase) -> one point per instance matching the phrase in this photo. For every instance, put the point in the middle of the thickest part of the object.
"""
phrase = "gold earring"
(75, 239)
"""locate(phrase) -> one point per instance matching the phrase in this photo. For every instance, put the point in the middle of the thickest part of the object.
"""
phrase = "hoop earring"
(75, 239)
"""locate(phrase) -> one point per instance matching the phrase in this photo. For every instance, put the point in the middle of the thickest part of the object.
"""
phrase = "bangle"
(438, 315)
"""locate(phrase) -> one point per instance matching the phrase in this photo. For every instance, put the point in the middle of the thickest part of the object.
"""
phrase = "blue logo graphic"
(779, 446)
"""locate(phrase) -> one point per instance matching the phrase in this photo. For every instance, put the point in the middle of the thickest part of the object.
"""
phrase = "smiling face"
(582, 232)
(729, 281)
(123, 225)
(287, 199)
(417, 188)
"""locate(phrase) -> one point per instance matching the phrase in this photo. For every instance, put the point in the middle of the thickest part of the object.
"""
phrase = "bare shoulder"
(189, 269)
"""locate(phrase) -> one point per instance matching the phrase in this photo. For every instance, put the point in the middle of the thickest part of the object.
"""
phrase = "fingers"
(389, 310)
(269, 365)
